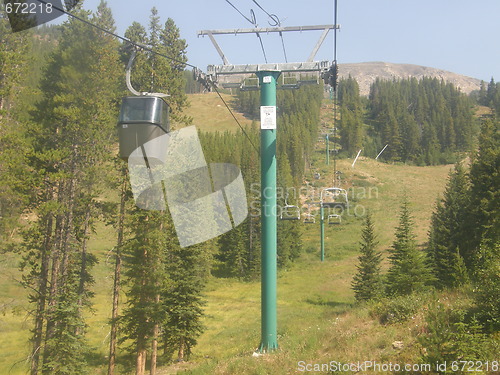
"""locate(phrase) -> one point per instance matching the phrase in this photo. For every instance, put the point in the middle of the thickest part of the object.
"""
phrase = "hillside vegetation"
(93, 284)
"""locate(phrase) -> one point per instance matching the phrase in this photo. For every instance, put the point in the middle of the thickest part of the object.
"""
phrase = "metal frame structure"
(334, 219)
(290, 212)
(267, 30)
(334, 192)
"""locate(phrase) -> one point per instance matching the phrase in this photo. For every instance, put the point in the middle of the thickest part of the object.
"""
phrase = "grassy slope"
(316, 319)
(209, 112)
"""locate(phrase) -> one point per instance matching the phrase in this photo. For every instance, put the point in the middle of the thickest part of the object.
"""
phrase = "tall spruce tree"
(408, 272)
(145, 256)
(448, 231)
(484, 223)
(367, 283)
(154, 262)
(182, 299)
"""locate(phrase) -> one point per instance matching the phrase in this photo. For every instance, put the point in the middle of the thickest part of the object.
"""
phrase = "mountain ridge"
(365, 74)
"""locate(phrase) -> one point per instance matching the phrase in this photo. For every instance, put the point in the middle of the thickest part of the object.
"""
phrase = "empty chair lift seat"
(142, 119)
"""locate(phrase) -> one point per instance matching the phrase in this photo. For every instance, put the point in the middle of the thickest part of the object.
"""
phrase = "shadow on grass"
(340, 307)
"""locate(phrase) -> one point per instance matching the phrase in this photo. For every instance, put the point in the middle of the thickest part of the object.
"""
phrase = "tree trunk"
(182, 347)
(140, 367)
(156, 330)
(42, 298)
(154, 345)
(60, 255)
(55, 259)
(83, 268)
(141, 340)
(116, 283)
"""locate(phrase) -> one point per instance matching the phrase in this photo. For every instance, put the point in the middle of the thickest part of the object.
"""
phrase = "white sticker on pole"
(268, 117)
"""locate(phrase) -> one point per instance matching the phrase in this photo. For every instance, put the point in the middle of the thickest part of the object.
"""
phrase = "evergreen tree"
(351, 123)
(425, 120)
(484, 222)
(367, 283)
(164, 298)
(491, 92)
(289, 236)
(14, 147)
(182, 299)
(448, 231)
(71, 129)
(487, 291)
(483, 96)
(174, 46)
(145, 259)
(408, 272)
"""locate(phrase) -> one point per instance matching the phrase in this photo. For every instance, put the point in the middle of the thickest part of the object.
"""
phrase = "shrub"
(451, 336)
(398, 309)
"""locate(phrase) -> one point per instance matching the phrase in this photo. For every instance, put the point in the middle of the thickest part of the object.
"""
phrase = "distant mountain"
(366, 73)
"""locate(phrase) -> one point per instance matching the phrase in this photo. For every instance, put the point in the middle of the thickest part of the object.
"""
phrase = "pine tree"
(182, 299)
(491, 92)
(448, 231)
(145, 257)
(487, 292)
(351, 125)
(163, 289)
(367, 283)
(483, 96)
(408, 272)
(289, 236)
(484, 222)
(172, 45)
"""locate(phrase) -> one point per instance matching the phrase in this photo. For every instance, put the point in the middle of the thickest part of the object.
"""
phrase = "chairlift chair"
(334, 197)
(289, 82)
(309, 219)
(290, 212)
(143, 117)
(334, 219)
(250, 84)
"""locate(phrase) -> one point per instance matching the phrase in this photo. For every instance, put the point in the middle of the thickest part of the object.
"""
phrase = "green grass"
(209, 112)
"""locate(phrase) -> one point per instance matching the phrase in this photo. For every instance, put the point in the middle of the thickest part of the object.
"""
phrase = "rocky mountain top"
(366, 73)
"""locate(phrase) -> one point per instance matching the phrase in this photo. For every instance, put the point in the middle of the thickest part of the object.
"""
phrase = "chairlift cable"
(252, 21)
(335, 94)
(234, 117)
(277, 23)
(122, 38)
(262, 47)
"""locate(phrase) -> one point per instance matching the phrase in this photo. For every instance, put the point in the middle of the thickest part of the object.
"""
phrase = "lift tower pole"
(269, 320)
(267, 75)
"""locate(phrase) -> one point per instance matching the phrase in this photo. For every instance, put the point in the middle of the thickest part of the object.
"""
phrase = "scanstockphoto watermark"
(363, 367)
(376, 367)
(307, 200)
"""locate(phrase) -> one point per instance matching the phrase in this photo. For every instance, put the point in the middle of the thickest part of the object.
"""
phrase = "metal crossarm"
(312, 66)
(267, 30)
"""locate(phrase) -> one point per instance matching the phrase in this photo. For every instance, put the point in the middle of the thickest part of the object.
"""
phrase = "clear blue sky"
(456, 35)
